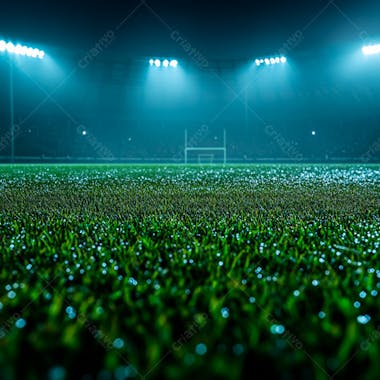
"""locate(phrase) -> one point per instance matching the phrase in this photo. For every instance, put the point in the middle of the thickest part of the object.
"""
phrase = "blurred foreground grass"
(172, 272)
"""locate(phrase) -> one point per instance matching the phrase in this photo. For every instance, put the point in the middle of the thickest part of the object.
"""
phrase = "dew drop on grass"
(277, 329)
(70, 312)
(321, 314)
(47, 296)
(57, 373)
(189, 359)
(225, 312)
(201, 349)
(118, 343)
(363, 319)
(20, 323)
(11, 295)
(238, 349)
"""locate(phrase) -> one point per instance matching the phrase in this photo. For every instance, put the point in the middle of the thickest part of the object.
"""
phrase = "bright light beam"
(11, 48)
(371, 49)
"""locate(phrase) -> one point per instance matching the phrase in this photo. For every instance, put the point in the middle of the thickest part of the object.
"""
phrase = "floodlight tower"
(12, 49)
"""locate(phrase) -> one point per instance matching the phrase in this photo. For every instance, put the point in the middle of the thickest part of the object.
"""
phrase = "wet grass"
(173, 272)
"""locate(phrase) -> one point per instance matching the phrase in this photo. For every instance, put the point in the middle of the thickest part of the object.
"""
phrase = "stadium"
(189, 190)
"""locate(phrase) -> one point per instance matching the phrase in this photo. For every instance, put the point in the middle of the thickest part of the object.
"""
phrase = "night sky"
(237, 29)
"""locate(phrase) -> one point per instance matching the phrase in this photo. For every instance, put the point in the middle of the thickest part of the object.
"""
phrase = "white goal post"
(222, 149)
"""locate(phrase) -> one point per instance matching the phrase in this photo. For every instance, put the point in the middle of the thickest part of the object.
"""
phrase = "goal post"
(205, 157)
(206, 151)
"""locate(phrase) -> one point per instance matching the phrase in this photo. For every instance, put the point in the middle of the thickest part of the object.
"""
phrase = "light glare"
(10, 47)
(167, 63)
(371, 49)
(174, 63)
(270, 61)
(21, 50)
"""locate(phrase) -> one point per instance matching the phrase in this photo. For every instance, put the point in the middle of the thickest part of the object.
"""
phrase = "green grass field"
(170, 272)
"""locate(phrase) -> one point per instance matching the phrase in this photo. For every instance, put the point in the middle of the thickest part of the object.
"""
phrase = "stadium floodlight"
(166, 63)
(18, 49)
(371, 49)
(173, 63)
(270, 61)
(22, 50)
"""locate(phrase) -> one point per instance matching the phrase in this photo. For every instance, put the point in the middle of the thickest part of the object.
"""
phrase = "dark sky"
(233, 29)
